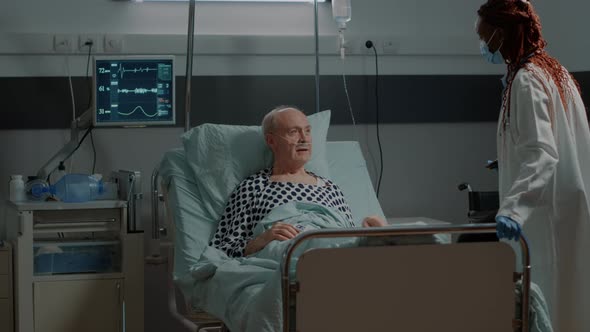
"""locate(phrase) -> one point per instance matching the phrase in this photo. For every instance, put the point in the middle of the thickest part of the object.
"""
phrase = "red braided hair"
(524, 44)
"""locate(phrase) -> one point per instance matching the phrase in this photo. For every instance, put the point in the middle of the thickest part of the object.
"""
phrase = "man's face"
(290, 139)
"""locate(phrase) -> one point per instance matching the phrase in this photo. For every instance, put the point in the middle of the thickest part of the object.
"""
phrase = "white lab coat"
(544, 174)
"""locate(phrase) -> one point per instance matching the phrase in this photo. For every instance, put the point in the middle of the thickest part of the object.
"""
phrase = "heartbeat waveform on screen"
(140, 109)
(139, 91)
(122, 70)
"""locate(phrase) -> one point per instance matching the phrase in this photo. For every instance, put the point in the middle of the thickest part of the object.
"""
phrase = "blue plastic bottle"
(77, 188)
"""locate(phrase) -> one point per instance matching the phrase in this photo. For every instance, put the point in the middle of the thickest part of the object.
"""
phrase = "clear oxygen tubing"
(348, 102)
(341, 43)
(341, 13)
(354, 126)
(298, 145)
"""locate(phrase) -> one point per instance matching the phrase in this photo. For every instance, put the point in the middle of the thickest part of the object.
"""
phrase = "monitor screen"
(134, 91)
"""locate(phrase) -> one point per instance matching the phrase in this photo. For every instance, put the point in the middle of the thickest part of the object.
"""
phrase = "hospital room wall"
(423, 162)
(420, 177)
(414, 28)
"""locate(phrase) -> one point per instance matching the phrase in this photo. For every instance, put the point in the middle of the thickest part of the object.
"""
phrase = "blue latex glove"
(507, 228)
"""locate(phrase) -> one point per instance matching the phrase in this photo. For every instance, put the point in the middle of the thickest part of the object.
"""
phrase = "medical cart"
(77, 267)
(6, 314)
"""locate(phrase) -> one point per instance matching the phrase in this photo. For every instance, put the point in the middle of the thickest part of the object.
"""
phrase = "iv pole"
(317, 56)
(155, 257)
(189, 64)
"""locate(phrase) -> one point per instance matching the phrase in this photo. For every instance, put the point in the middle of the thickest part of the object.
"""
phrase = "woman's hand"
(374, 221)
(278, 231)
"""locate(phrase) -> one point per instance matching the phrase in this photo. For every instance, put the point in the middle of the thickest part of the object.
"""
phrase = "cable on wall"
(369, 44)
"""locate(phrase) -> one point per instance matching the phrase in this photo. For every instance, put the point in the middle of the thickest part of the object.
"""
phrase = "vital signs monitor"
(133, 91)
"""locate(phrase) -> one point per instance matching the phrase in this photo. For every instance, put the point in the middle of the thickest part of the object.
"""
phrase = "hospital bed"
(419, 287)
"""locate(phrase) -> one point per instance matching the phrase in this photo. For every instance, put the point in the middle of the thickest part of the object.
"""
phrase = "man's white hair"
(268, 122)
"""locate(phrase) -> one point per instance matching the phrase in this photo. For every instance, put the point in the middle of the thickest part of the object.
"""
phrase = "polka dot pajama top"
(257, 195)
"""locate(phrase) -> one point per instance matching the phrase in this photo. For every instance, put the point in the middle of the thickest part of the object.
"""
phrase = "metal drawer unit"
(6, 310)
(61, 248)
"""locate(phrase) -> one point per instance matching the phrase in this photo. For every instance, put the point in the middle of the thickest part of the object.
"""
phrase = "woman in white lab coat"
(544, 159)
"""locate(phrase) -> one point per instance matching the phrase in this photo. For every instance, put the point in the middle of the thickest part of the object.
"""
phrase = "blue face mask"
(496, 57)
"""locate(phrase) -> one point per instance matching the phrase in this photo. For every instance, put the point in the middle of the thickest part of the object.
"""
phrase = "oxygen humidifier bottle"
(17, 188)
(341, 12)
(77, 188)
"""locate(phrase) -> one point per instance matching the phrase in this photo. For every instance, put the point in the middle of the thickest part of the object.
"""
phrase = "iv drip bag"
(341, 11)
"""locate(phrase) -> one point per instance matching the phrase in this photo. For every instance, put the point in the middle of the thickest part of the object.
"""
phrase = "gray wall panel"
(45, 102)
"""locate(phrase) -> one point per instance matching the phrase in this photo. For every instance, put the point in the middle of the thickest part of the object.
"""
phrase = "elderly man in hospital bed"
(227, 189)
(288, 134)
(237, 277)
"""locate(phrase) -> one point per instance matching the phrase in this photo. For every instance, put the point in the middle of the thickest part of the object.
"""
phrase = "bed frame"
(444, 287)
(460, 287)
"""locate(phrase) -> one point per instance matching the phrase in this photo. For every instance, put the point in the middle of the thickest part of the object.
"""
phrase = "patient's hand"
(281, 232)
(374, 221)
(278, 231)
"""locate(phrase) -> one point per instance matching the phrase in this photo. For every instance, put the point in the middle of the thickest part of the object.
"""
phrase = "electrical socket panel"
(369, 51)
(383, 46)
(113, 44)
(92, 38)
(63, 43)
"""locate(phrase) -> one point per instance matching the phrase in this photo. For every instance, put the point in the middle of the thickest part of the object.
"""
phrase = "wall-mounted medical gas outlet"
(390, 46)
(85, 39)
(63, 43)
(113, 44)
